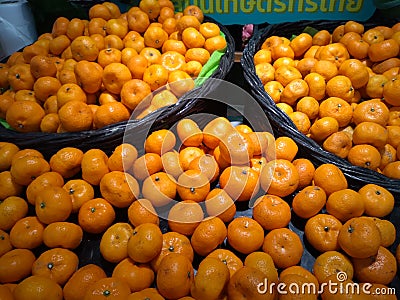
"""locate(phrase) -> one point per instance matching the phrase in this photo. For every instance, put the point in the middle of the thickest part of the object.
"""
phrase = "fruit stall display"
(91, 223)
(335, 83)
(90, 77)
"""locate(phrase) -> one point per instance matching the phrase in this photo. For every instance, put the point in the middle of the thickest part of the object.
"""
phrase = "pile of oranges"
(341, 89)
(198, 180)
(87, 74)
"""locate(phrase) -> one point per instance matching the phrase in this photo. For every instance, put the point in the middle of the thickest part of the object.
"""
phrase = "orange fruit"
(25, 116)
(323, 128)
(309, 201)
(187, 21)
(80, 281)
(210, 233)
(378, 201)
(109, 288)
(207, 165)
(284, 246)
(383, 50)
(246, 283)
(145, 243)
(122, 157)
(271, 212)
(5, 243)
(114, 242)
(12, 209)
(279, 177)
(62, 234)
(189, 133)
(200, 55)
(185, 216)
(229, 258)
(159, 188)
(45, 87)
(263, 262)
(138, 276)
(57, 264)
(8, 185)
(75, 116)
(331, 263)
(138, 20)
(392, 170)
(285, 148)
(380, 268)
(245, 235)
(69, 92)
(390, 91)
(119, 188)
(192, 38)
(27, 233)
(38, 287)
(326, 68)
(309, 106)
(155, 37)
(330, 178)
(322, 231)
(171, 164)
(321, 38)
(193, 185)
(365, 156)
(96, 215)
(66, 161)
(301, 43)
(133, 92)
(160, 141)
(240, 182)
(211, 279)
(25, 169)
(306, 170)
(345, 204)
(15, 265)
(317, 85)
(146, 165)
(393, 134)
(115, 75)
(175, 276)
(337, 108)
(173, 242)
(359, 238)
(188, 154)
(374, 87)
(219, 203)
(149, 293)
(340, 86)
(79, 191)
(370, 133)
(142, 211)
(338, 143)
(215, 130)
(53, 204)
(356, 71)
(387, 231)
(89, 75)
(94, 166)
(388, 155)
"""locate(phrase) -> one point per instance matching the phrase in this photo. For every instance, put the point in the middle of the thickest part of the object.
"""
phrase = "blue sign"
(229, 12)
